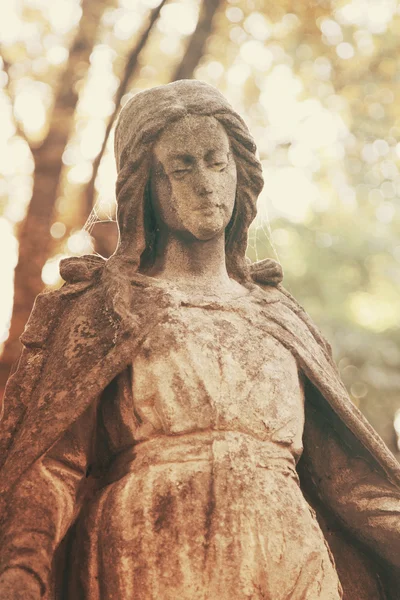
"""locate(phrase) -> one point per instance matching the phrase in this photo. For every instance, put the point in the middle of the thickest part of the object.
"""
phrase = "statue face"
(193, 182)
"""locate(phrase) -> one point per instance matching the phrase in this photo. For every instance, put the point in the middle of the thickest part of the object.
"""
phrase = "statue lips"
(209, 208)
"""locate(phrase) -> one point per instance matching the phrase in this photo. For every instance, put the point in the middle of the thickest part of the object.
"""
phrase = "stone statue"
(176, 427)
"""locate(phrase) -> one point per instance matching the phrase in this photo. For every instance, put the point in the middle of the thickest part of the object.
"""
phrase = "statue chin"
(204, 235)
(207, 228)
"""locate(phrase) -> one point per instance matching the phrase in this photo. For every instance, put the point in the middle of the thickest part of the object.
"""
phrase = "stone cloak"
(75, 346)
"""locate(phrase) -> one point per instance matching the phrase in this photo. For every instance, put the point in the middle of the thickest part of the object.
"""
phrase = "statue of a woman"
(176, 427)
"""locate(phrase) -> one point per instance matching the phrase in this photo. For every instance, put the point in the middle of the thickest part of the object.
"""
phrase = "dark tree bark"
(34, 234)
(195, 47)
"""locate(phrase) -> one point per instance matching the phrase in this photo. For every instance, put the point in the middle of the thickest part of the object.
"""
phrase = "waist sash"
(229, 448)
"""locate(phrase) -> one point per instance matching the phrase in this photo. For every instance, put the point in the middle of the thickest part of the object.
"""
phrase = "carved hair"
(140, 124)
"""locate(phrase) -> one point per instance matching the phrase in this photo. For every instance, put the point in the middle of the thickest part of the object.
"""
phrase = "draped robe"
(76, 349)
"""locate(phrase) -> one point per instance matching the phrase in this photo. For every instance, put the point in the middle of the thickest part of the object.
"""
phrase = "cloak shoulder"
(47, 313)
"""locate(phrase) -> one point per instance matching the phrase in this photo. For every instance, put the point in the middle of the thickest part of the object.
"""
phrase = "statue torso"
(210, 498)
(210, 365)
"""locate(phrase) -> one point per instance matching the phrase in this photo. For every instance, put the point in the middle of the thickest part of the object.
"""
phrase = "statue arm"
(45, 502)
(359, 493)
(369, 504)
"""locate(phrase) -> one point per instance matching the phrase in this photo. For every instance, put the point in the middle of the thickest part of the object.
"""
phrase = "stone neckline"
(184, 298)
(196, 297)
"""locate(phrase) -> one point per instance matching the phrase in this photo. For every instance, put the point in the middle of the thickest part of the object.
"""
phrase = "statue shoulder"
(305, 317)
(268, 275)
(80, 274)
(48, 322)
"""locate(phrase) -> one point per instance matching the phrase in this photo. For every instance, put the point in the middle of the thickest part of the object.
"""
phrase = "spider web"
(103, 211)
(260, 243)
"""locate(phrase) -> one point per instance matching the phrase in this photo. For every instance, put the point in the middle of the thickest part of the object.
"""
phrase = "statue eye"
(179, 173)
(220, 166)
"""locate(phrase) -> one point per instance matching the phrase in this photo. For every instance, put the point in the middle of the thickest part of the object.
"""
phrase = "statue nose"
(204, 183)
(206, 190)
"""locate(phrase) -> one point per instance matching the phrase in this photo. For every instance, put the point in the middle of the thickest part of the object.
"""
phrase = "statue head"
(141, 125)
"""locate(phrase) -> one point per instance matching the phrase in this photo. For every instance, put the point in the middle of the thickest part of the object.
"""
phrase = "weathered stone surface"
(176, 427)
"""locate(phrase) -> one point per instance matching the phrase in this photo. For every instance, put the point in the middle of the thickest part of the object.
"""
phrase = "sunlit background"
(318, 85)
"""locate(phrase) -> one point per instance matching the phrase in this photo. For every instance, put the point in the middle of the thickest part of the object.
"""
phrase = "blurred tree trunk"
(34, 235)
(196, 45)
